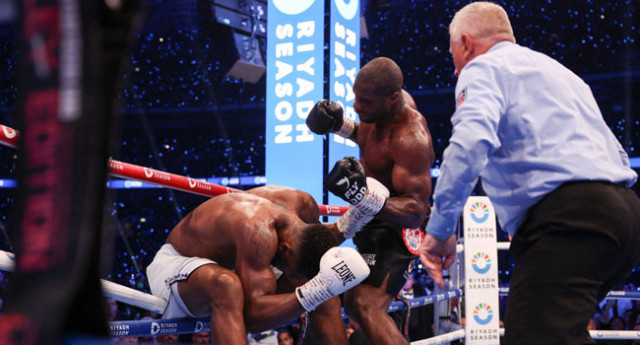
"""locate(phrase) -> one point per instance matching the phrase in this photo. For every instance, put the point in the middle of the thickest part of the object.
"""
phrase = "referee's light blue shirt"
(524, 124)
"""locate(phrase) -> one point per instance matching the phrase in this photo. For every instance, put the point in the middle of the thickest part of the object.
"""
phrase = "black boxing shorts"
(385, 248)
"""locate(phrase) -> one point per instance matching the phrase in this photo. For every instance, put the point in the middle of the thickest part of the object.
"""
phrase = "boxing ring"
(123, 294)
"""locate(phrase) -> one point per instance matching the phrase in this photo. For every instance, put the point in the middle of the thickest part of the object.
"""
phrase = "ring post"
(481, 273)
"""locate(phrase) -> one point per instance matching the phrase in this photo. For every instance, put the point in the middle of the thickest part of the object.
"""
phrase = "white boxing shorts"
(167, 268)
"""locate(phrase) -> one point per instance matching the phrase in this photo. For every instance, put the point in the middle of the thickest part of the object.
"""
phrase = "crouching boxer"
(218, 261)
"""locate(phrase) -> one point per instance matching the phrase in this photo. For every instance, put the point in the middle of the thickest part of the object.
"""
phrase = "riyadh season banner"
(295, 36)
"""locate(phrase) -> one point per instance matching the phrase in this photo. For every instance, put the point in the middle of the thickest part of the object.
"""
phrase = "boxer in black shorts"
(396, 154)
(382, 247)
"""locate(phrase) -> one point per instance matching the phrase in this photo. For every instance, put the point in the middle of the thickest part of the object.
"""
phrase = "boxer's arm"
(263, 308)
(354, 135)
(340, 269)
(326, 325)
(437, 255)
(412, 152)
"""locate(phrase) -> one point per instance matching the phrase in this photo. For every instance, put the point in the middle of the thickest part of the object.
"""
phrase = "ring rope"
(179, 326)
(500, 245)
(442, 338)
(133, 297)
(139, 328)
(155, 327)
(188, 325)
(459, 334)
(632, 295)
(149, 302)
(9, 137)
(110, 289)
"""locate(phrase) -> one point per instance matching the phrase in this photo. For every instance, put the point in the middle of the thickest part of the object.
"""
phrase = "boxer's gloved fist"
(341, 268)
(347, 181)
(327, 117)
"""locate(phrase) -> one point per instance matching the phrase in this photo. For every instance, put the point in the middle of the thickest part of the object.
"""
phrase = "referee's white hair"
(479, 20)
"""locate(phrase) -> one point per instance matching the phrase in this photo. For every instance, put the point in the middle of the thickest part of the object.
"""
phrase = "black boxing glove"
(327, 116)
(347, 180)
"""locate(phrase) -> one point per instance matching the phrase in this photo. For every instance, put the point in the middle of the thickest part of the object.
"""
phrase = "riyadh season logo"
(347, 8)
(163, 328)
(332, 209)
(9, 132)
(293, 7)
(483, 314)
(481, 263)
(479, 212)
(202, 327)
(155, 328)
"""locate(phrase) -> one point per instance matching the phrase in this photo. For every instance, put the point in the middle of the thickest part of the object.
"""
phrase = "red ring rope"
(9, 137)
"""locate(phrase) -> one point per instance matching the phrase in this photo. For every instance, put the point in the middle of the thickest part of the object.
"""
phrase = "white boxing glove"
(352, 221)
(359, 215)
(341, 268)
(376, 197)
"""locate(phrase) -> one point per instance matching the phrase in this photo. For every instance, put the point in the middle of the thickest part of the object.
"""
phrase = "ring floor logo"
(481, 263)
(293, 7)
(483, 314)
(479, 212)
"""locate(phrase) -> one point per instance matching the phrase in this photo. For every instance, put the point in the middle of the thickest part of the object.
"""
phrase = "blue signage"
(295, 37)
(344, 64)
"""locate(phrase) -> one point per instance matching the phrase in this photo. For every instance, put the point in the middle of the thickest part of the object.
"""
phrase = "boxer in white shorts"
(167, 268)
(218, 261)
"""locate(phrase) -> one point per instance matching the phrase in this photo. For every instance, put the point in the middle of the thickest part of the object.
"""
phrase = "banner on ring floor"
(481, 272)
(295, 71)
(344, 64)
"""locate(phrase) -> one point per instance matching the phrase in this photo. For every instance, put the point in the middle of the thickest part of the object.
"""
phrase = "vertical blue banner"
(295, 37)
(344, 64)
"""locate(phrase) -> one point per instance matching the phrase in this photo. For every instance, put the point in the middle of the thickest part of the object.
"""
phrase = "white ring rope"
(110, 289)
(441, 339)
(595, 334)
(133, 297)
(501, 246)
